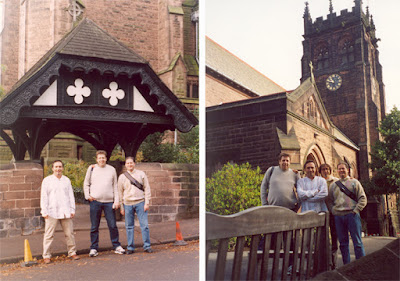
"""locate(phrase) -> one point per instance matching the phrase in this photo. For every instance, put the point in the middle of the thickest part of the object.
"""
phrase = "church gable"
(307, 104)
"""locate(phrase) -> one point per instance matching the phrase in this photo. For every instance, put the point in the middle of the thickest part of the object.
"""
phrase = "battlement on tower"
(333, 21)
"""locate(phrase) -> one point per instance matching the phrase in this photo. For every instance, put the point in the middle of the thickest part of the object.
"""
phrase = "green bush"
(234, 188)
(76, 172)
(190, 146)
(154, 149)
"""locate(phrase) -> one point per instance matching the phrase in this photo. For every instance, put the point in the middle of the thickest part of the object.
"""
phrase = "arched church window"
(346, 51)
(311, 109)
(321, 56)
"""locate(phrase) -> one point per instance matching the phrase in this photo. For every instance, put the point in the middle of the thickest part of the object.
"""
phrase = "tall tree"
(385, 156)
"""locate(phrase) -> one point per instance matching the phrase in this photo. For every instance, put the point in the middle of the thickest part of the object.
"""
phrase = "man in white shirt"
(312, 190)
(57, 202)
(134, 194)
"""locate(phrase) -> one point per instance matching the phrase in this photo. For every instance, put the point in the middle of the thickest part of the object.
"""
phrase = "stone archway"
(315, 154)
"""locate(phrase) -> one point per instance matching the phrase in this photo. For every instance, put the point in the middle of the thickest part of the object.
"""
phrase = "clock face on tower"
(333, 82)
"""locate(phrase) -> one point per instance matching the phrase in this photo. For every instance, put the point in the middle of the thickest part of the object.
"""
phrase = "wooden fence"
(299, 240)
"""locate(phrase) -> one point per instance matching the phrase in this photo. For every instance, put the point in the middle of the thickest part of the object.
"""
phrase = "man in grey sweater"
(101, 190)
(278, 185)
(278, 189)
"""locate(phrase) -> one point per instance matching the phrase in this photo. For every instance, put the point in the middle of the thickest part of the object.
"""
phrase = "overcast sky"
(267, 34)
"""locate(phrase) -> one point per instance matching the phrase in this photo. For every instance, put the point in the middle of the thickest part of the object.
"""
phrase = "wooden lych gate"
(299, 240)
(94, 87)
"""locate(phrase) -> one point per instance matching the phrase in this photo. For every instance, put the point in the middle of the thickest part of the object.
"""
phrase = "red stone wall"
(20, 199)
(31, 29)
(188, 31)
(174, 190)
(9, 56)
(138, 30)
(144, 26)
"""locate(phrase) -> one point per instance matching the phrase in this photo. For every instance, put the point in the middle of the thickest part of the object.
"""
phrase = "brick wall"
(174, 190)
(20, 199)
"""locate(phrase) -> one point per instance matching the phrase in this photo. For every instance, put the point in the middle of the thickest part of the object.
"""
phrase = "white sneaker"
(119, 250)
(93, 253)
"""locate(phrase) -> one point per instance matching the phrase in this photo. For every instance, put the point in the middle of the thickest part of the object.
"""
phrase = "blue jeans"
(95, 215)
(130, 211)
(345, 224)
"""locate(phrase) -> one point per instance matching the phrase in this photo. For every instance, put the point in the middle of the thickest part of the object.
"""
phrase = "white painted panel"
(49, 97)
(139, 102)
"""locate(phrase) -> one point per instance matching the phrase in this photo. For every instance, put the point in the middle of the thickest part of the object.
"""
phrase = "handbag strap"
(133, 181)
(346, 191)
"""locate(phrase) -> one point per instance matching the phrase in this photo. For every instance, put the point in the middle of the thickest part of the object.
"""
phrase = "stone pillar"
(20, 198)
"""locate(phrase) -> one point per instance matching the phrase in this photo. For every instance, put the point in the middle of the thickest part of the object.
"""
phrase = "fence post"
(324, 251)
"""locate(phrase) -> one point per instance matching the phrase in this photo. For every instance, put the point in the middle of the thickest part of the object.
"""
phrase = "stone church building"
(331, 116)
(164, 33)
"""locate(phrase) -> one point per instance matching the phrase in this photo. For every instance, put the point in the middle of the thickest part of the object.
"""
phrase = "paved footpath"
(371, 244)
(12, 249)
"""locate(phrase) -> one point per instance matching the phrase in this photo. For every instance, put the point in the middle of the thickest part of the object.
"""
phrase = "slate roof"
(225, 63)
(89, 40)
(86, 40)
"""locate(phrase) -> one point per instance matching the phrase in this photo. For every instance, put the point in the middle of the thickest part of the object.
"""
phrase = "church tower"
(344, 53)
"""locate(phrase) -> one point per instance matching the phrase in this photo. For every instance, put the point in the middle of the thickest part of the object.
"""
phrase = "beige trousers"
(50, 227)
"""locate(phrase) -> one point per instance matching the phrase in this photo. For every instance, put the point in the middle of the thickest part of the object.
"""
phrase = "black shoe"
(129, 252)
(149, 250)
